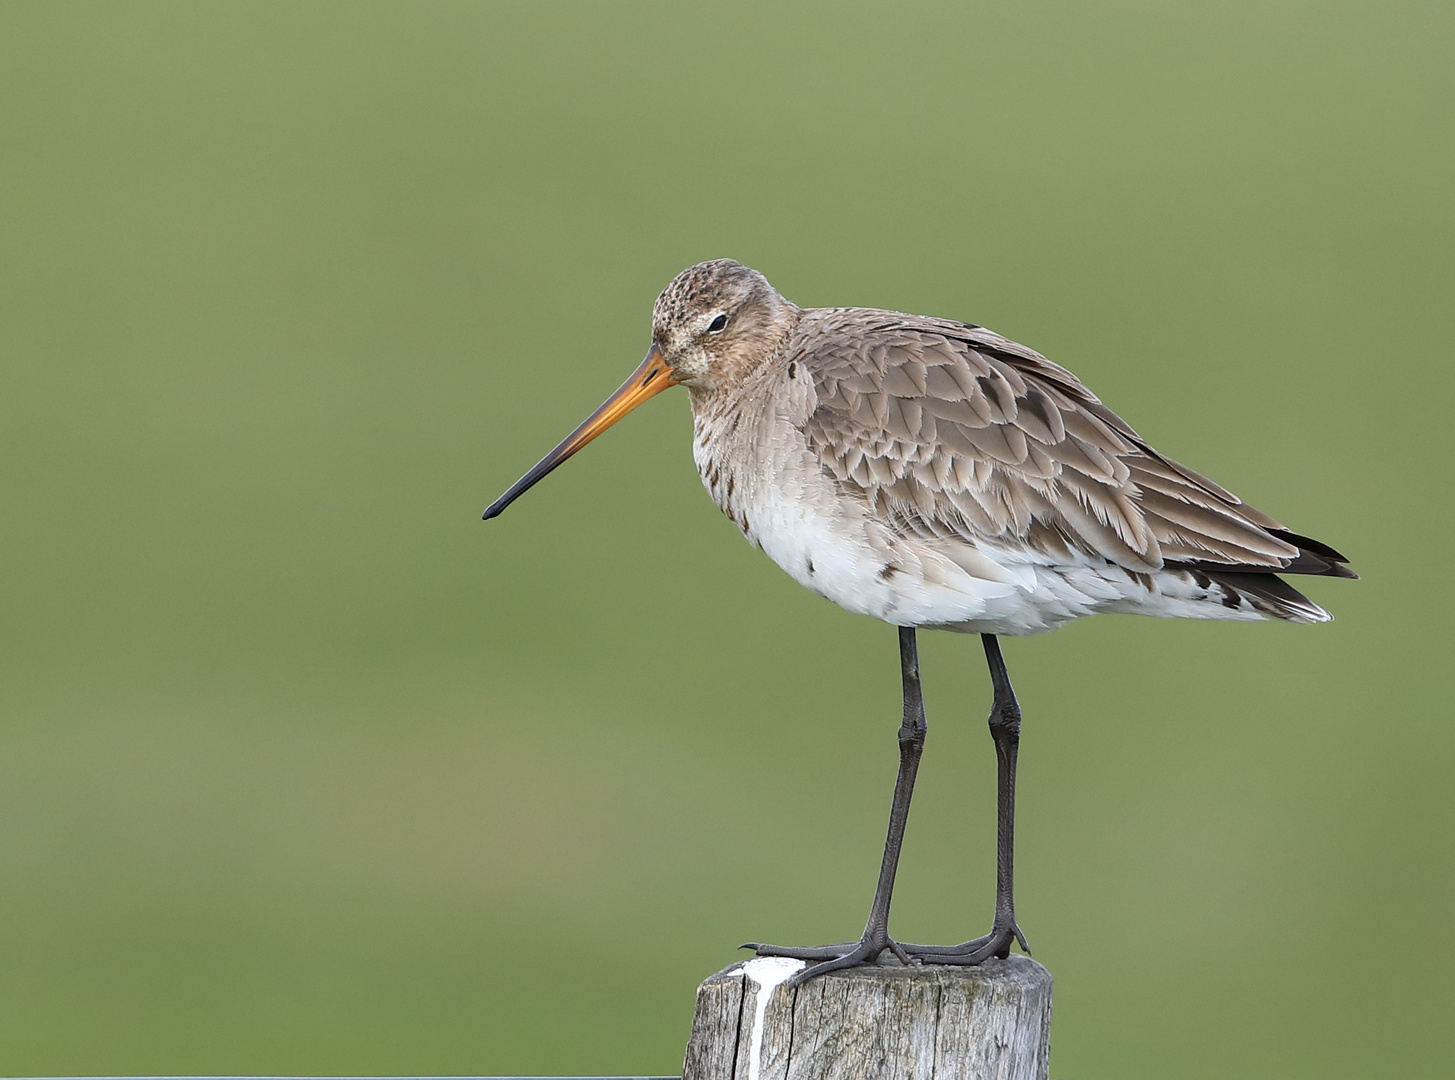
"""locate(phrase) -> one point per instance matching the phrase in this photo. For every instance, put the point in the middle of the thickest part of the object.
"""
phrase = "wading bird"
(932, 473)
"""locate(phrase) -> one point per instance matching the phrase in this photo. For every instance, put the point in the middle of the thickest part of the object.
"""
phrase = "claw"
(1021, 939)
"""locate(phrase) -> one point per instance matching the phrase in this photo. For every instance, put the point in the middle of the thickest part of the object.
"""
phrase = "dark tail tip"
(1308, 544)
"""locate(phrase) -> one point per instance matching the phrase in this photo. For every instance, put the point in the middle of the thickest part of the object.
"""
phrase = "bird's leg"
(876, 937)
(1005, 729)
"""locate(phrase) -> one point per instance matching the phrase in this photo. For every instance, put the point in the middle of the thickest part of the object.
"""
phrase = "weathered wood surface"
(877, 1022)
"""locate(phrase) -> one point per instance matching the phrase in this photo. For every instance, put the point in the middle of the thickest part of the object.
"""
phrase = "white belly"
(858, 567)
(1017, 592)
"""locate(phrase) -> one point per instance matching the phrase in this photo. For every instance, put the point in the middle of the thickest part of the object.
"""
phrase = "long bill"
(654, 376)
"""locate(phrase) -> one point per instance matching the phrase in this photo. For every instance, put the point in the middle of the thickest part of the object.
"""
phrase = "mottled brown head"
(717, 322)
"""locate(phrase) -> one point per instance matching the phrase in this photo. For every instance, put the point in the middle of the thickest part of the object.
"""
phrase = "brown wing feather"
(949, 430)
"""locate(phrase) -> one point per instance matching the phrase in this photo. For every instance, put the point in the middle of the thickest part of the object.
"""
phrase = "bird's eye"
(717, 324)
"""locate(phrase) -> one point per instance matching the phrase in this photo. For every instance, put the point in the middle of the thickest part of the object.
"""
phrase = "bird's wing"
(951, 432)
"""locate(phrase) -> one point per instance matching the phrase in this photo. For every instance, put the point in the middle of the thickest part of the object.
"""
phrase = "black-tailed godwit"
(931, 473)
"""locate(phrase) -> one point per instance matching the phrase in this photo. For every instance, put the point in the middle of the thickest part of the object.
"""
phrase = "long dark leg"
(912, 730)
(1005, 729)
(876, 937)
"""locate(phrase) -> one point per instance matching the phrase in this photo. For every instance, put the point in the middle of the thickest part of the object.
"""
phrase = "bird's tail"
(1269, 594)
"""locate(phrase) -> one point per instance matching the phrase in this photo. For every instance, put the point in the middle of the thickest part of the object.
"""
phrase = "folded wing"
(954, 433)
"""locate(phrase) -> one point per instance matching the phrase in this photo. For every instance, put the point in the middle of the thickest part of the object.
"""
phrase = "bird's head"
(711, 327)
(718, 321)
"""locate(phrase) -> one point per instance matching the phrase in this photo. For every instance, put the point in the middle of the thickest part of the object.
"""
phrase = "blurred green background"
(304, 769)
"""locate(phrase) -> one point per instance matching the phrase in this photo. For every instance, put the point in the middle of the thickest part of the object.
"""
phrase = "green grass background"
(304, 769)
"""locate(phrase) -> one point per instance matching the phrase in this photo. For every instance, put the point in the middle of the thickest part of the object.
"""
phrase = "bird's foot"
(995, 944)
(835, 957)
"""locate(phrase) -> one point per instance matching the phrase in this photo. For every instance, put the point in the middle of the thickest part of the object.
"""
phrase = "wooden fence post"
(874, 1022)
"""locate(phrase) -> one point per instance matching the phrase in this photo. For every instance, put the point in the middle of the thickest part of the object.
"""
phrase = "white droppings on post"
(767, 973)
